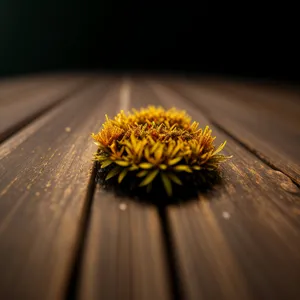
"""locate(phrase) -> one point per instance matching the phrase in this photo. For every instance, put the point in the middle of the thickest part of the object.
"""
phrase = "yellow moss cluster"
(154, 142)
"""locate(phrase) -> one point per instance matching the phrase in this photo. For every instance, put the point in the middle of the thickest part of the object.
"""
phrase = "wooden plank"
(124, 256)
(20, 109)
(45, 172)
(143, 95)
(241, 240)
(257, 119)
(11, 86)
(17, 93)
(283, 102)
(262, 101)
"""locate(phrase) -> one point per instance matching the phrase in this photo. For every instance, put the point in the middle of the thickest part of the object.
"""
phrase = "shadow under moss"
(193, 184)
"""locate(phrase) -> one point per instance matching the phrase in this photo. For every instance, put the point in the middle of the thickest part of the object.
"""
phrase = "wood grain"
(265, 122)
(16, 87)
(44, 171)
(241, 240)
(12, 86)
(19, 109)
(124, 256)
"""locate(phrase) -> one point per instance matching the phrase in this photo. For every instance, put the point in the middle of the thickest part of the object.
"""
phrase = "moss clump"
(154, 143)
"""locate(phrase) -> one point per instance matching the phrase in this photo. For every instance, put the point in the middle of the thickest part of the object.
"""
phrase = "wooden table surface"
(64, 237)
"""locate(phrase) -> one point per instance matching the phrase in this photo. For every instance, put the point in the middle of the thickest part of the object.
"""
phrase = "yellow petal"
(122, 163)
(184, 168)
(145, 165)
(174, 161)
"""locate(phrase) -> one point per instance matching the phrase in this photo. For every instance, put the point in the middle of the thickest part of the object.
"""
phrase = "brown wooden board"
(11, 86)
(266, 123)
(124, 255)
(22, 107)
(45, 173)
(281, 101)
(16, 87)
(241, 240)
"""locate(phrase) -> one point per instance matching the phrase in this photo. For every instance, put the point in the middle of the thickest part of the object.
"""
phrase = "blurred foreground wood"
(64, 237)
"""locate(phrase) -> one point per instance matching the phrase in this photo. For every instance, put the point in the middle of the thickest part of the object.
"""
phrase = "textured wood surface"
(264, 120)
(23, 106)
(237, 241)
(64, 237)
(124, 255)
(13, 86)
(45, 171)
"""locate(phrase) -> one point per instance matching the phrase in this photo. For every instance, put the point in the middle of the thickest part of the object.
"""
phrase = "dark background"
(248, 40)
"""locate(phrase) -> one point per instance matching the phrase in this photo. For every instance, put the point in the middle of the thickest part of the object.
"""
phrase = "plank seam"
(256, 153)
(74, 275)
(73, 278)
(17, 127)
(172, 264)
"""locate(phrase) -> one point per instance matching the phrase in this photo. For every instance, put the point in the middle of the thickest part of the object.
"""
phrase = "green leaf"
(174, 178)
(106, 163)
(149, 178)
(184, 168)
(122, 175)
(113, 172)
(122, 163)
(167, 184)
(142, 173)
(145, 165)
(174, 161)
